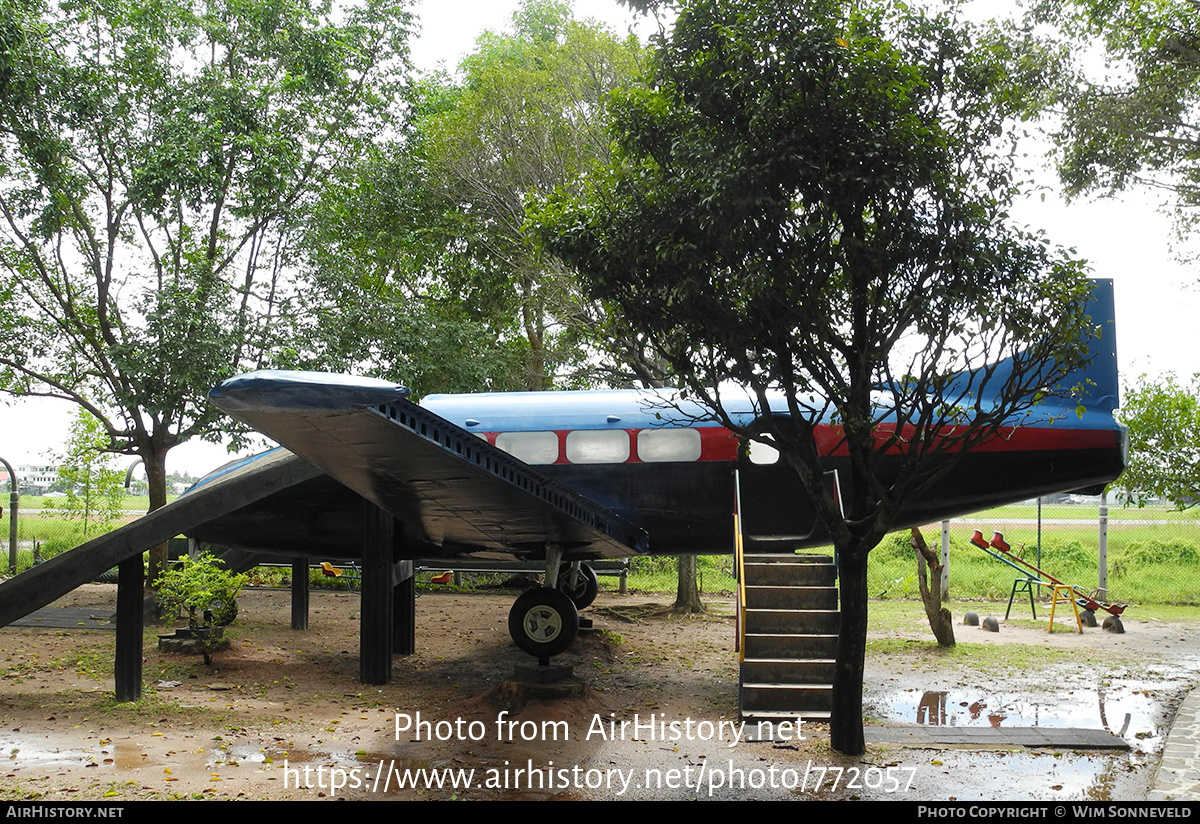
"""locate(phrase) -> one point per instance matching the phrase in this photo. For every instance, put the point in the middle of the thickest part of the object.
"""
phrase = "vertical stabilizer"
(1096, 385)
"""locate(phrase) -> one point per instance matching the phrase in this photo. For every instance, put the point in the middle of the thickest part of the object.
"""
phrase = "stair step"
(800, 621)
(786, 697)
(770, 645)
(787, 671)
(785, 715)
(791, 597)
(783, 574)
(791, 623)
(784, 558)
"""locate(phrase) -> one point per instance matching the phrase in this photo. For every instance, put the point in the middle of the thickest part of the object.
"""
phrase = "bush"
(895, 547)
(1067, 553)
(207, 592)
(1160, 552)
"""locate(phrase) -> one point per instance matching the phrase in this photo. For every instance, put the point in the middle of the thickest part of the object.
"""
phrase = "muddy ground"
(281, 715)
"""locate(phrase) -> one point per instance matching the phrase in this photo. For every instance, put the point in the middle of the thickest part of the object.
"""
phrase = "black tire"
(585, 589)
(1113, 624)
(1088, 617)
(543, 622)
(220, 613)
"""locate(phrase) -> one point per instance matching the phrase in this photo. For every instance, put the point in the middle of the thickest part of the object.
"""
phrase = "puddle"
(127, 754)
(1131, 711)
(1031, 776)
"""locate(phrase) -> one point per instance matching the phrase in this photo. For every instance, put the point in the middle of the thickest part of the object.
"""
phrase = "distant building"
(35, 480)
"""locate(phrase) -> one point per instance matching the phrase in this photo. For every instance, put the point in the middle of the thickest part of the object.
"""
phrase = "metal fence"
(46, 527)
(1147, 555)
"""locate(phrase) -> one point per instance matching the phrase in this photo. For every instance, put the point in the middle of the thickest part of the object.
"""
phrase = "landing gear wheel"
(1088, 617)
(585, 589)
(543, 622)
(1113, 624)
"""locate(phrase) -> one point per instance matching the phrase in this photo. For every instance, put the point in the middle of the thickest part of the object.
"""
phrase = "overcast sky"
(1128, 240)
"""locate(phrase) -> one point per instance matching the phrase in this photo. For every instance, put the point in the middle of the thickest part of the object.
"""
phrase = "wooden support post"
(375, 611)
(404, 617)
(300, 593)
(127, 668)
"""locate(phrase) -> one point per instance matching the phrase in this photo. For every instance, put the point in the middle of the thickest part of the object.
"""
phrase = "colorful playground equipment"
(1085, 603)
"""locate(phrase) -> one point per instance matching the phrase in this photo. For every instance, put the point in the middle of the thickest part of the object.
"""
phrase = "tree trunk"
(846, 723)
(155, 462)
(687, 594)
(929, 566)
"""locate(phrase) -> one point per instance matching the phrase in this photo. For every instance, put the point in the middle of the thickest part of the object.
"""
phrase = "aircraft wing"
(454, 492)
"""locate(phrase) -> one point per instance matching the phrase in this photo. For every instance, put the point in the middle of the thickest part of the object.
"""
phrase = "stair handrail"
(740, 563)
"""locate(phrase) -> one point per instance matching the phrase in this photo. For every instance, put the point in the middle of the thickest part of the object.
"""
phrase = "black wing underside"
(455, 493)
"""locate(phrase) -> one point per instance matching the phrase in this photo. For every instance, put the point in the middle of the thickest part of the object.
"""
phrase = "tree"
(1140, 123)
(401, 289)
(687, 592)
(929, 581)
(434, 225)
(1164, 441)
(154, 157)
(808, 202)
(95, 489)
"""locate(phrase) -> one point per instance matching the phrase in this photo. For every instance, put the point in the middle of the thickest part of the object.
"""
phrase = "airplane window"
(530, 447)
(588, 446)
(761, 453)
(656, 445)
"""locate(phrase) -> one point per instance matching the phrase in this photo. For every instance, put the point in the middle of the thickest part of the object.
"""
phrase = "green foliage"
(422, 250)
(155, 159)
(1164, 440)
(1161, 552)
(1136, 121)
(207, 592)
(1060, 554)
(95, 489)
(897, 546)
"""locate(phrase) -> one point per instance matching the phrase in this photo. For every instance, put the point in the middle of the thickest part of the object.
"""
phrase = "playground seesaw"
(1080, 598)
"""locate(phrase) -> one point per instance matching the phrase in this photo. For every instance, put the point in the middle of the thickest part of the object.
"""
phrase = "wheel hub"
(543, 624)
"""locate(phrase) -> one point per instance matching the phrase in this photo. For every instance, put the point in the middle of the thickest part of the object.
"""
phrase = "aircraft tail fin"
(1093, 385)
(1096, 385)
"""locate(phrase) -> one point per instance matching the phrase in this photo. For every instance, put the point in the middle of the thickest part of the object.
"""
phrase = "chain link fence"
(714, 574)
(47, 527)
(1150, 555)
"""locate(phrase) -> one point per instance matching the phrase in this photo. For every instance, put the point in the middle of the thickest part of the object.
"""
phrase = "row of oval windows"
(601, 446)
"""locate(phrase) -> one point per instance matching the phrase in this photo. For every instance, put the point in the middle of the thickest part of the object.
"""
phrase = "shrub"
(207, 592)
(1161, 552)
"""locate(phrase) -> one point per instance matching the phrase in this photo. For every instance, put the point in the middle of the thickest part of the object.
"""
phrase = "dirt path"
(284, 708)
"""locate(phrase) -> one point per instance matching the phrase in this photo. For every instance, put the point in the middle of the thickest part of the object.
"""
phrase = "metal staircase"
(788, 612)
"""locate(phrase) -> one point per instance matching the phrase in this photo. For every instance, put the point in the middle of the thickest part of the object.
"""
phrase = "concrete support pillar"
(300, 593)
(127, 668)
(404, 608)
(375, 613)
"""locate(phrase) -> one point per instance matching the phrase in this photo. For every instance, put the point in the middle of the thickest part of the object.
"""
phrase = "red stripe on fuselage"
(830, 442)
(718, 444)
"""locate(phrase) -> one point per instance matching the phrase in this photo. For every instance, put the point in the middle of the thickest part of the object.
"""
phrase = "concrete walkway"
(934, 737)
(1179, 773)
